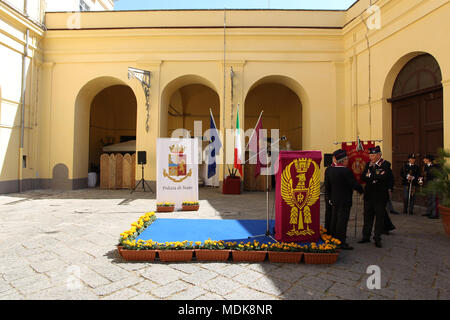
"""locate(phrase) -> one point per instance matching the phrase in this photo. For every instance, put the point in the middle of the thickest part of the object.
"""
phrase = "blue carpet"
(163, 230)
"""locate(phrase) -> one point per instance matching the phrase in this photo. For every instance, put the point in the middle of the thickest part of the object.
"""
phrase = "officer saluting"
(378, 177)
(339, 185)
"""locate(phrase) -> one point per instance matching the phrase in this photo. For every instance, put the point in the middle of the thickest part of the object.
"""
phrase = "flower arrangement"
(165, 204)
(321, 248)
(190, 203)
(211, 245)
(286, 247)
(175, 245)
(249, 246)
(128, 238)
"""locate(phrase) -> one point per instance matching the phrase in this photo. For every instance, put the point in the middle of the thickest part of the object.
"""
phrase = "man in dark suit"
(410, 173)
(339, 185)
(378, 177)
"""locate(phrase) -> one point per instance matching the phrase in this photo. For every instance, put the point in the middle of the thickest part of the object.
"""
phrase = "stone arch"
(293, 86)
(82, 110)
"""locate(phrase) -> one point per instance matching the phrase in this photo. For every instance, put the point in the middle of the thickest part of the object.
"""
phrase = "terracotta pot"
(138, 255)
(285, 257)
(165, 208)
(175, 255)
(248, 256)
(212, 255)
(445, 217)
(119, 248)
(190, 208)
(320, 258)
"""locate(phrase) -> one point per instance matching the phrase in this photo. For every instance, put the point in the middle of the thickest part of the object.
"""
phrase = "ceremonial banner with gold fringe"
(297, 214)
(358, 156)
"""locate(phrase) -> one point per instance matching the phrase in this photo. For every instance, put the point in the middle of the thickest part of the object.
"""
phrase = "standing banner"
(357, 159)
(297, 214)
(177, 170)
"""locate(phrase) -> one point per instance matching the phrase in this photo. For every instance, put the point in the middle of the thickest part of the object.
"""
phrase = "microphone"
(283, 138)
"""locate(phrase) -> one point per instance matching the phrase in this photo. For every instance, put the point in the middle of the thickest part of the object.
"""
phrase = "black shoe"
(345, 246)
(394, 212)
(364, 241)
(386, 233)
(433, 217)
(426, 215)
(411, 213)
(378, 243)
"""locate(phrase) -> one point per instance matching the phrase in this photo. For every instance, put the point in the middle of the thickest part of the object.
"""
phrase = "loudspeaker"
(142, 157)
(327, 159)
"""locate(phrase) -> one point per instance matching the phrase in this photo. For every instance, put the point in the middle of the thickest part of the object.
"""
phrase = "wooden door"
(417, 127)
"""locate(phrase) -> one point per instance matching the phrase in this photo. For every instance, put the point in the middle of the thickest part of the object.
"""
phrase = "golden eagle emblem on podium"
(303, 196)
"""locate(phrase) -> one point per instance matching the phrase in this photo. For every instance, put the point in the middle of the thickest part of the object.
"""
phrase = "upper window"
(419, 73)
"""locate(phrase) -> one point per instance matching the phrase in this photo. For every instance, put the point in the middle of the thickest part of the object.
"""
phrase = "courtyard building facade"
(379, 70)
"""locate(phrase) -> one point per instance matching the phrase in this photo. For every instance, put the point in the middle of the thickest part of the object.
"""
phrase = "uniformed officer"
(378, 177)
(339, 185)
(410, 173)
(429, 175)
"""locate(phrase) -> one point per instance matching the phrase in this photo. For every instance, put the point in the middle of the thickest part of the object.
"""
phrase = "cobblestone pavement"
(61, 245)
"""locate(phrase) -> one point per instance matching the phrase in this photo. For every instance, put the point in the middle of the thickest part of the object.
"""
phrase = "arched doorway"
(417, 111)
(113, 117)
(105, 99)
(282, 110)
(185, 101)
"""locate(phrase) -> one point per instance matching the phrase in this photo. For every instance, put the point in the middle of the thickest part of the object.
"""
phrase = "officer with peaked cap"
(339, 185)
(378, 177)
(430, 175)
(410, 173)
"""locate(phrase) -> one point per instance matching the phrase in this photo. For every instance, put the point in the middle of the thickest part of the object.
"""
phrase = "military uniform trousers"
(328, 214)
(374, 209)
(339, 222)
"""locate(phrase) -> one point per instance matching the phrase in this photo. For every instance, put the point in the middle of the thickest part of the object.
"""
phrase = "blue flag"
(214, 147)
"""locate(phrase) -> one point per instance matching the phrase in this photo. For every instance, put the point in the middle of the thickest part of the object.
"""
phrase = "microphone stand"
(267, 234)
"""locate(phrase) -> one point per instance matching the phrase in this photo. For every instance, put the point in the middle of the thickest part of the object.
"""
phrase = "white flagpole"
(210, 111)
(260, 115)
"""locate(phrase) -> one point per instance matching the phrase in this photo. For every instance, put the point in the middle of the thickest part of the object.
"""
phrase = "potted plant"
(92, 175)
(211, 250)
(232, 183)
(190, 205)
(140, 250)
(440, 186)
(321, 253)
(252, 251)
(177, 251)
(165, 206)
(281, 252)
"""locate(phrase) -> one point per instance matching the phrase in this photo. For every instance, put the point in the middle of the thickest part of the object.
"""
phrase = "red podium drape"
(357, 159)
(297, 214)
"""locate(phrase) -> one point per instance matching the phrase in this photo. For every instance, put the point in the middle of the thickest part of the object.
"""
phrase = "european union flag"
(214, 147)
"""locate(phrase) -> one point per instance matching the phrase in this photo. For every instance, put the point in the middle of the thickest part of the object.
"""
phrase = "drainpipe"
(22, 103)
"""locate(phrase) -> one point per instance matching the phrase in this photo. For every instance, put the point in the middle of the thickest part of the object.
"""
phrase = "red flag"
(358, 155)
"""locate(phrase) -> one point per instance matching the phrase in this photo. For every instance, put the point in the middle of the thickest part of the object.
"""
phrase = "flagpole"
(210, 111)
(260, 115)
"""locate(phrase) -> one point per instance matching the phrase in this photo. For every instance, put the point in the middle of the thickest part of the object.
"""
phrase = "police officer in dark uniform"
(429, 175)
(410, 173)
(339, 185)
(378, 177)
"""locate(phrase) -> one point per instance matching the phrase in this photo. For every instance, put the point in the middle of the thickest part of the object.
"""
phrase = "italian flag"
(237, 145)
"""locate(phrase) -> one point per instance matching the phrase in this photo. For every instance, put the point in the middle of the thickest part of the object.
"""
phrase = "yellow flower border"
(128, 241)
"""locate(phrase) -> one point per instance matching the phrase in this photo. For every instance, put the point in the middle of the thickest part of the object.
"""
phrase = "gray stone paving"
(61, 245)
